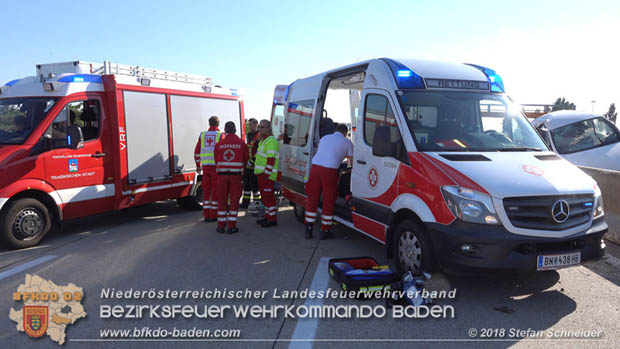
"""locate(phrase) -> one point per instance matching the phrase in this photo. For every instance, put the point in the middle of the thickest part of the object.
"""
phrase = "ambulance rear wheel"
(192, 202)
(412, 251)
(24, 223)
(300, 212)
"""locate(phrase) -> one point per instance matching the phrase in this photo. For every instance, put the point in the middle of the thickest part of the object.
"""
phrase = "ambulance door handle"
(306, 153)
(98, 155)
(361, 162)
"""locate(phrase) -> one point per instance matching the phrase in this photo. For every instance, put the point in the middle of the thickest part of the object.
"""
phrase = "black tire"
(192, 202)
(300, 212)
(24, 223)
(411, 248)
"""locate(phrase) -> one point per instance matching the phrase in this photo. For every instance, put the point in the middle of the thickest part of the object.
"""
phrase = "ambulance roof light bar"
(405, 77)
(497, 84)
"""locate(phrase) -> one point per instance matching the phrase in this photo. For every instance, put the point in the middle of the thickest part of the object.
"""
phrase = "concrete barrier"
(609, 182)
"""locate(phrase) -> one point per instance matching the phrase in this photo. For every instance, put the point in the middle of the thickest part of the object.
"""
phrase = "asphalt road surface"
(161, 247)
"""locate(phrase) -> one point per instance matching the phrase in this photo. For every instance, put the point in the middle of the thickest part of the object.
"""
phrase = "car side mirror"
(381, 144)
(75, 139)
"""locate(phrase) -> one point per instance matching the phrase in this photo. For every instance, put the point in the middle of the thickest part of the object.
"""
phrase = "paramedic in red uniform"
(231, 157)
(333, 148)
(266, 169)
(205, 160)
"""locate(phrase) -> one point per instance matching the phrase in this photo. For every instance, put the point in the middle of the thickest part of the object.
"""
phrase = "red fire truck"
(83, 138)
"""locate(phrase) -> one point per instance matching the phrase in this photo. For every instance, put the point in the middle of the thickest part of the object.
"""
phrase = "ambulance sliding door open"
(342, 101)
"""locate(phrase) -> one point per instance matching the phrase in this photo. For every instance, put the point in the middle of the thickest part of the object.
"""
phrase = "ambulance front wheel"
(300, 212)
(24, 223)
(412, 251)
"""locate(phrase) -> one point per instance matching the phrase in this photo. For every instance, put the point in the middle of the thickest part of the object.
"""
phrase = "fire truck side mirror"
(75, 139)
(381, 144)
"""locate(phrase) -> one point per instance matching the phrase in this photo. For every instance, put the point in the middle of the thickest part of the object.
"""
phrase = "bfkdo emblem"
(35, 320)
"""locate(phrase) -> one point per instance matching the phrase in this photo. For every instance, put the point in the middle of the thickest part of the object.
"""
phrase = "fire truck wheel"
(192, 202)
(300, 212)
(412, 251)
(25, 222)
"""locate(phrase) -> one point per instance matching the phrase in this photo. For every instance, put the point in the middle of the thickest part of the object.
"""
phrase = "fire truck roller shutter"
(190, 116)
(146, 122)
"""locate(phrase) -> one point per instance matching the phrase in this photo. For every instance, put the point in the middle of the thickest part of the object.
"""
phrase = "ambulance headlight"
(469, 206)
(598, 211)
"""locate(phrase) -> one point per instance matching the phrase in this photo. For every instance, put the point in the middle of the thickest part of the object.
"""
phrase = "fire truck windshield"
(467, 121)
(20, 116)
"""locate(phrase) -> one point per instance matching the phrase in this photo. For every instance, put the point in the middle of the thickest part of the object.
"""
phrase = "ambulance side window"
(379, 113)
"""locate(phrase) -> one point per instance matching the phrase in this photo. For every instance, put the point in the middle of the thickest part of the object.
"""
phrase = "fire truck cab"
(446, 169)
(81, 138)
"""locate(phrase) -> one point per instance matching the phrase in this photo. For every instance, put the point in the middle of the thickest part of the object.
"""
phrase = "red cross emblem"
(373, 177)
(210, 140)
(533, 170)
(229, 155)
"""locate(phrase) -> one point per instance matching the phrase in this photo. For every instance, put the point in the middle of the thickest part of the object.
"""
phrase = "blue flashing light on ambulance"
(447, 171)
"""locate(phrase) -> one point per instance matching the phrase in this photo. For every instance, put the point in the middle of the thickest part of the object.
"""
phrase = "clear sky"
(542, 49)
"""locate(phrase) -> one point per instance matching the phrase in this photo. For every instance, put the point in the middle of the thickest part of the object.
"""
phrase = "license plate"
(558, 260)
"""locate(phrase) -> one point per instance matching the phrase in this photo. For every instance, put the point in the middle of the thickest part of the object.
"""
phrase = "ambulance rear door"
(293, 125)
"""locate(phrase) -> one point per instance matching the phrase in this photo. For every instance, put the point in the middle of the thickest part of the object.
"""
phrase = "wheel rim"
(199, 197)
(28, 224)
(409, 251)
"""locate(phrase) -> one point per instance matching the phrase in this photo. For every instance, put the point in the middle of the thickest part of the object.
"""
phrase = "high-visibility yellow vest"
(208, 139)
(267, 148)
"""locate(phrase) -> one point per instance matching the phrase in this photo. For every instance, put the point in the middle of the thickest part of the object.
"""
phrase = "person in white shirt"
(333, 148)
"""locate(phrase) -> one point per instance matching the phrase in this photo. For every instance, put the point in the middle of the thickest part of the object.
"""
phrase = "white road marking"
(24, 249)
(25, 266)
(306, 328)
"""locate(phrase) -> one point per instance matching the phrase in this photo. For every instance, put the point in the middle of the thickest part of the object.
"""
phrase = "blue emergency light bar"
(81, 78)
(405, 78)
(12, 82)
(497, 84)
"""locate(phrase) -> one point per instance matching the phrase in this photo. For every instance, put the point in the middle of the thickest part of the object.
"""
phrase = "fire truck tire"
(299, 212)
(192, 202)
(412, 251)
(24, 223)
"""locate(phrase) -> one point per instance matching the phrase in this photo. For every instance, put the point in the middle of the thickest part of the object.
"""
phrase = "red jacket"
(231, 154)
(197, 148)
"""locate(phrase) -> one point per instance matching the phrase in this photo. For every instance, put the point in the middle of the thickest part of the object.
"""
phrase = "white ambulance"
(446, 169)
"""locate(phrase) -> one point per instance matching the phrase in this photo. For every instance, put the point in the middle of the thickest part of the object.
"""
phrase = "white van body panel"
(415, 204)
(527, 175)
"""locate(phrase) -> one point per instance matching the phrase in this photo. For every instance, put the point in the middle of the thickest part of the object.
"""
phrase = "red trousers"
(266, 192)
(228, 186)
(209, 183)
(322, 180)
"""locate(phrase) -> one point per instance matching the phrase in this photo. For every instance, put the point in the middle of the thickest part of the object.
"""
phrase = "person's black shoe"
(232, 230)
(267, 224)
(308, 233)
(261, 221)
(326, 234)
(221, 230)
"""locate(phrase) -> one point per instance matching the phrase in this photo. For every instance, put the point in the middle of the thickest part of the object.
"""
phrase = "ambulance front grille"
(535, 212)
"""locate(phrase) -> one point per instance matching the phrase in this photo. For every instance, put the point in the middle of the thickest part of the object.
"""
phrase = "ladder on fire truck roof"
(46, 71)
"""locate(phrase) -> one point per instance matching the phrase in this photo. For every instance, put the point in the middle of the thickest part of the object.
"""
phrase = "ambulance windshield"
(464, 121)
(20, 116)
